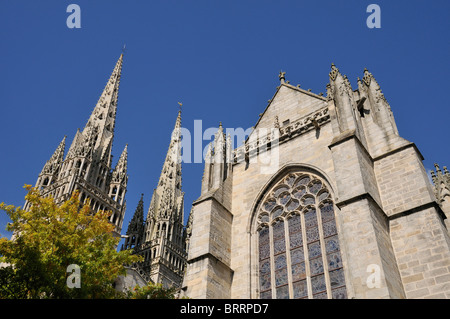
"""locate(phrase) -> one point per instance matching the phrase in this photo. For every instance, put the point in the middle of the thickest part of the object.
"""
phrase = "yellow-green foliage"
(48, 238)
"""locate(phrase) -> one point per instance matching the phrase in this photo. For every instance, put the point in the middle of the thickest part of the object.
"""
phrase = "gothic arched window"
(298, 245)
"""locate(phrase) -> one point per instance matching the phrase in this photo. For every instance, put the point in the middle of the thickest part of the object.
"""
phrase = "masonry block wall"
(386, 211)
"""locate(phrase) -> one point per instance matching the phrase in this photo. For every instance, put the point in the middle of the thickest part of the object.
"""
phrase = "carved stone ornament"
(334, 72)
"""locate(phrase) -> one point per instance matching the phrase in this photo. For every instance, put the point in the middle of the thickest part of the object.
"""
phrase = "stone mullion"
(306, 255)
(287, 242)
(272, 263)
(323, 250)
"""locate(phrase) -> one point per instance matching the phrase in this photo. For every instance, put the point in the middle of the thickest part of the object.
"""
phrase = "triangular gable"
(289, 103)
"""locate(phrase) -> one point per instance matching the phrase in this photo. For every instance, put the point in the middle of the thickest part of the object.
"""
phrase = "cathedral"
(87, 166)
(323, 200)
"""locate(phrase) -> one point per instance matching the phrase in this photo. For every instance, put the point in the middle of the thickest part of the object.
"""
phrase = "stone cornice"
(302, 125)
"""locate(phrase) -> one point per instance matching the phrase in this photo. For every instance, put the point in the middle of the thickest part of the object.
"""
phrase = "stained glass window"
(323, 196)
(270, 204)
(315, 186)
(264, 263)
(264, 218)
(277, 212)
(303, 180)
(284, 198)
(299, 192)
(293, 204)
(308, 200)
(299, 253)
(290, 180)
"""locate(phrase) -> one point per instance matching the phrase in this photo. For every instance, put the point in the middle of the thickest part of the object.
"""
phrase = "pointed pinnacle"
(436, 166)
(334, 72)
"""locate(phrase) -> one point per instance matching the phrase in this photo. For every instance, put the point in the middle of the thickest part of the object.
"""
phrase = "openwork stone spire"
(168, 196)
(87, 165)
(99, 129)
(119, 174)
(53, 165)
(163, 242)
(135, 229)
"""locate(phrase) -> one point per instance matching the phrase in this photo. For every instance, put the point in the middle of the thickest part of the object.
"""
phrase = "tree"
(48, 239)
(153, 291)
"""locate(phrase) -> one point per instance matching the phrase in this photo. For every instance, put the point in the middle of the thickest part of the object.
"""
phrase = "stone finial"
(282, 77)
(367, 78)
(334, 72)
(438, 170)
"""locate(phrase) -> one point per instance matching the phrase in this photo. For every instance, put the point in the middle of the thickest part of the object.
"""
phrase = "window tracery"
(298, 246)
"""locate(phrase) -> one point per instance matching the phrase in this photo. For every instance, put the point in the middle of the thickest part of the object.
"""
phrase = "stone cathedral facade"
(324, 199)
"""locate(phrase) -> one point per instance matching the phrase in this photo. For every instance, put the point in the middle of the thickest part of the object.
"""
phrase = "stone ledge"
(416, 209)
(210, 256)
(399, 149)
(210, 196)
(356, 198)
(344, 136)
(347, 135)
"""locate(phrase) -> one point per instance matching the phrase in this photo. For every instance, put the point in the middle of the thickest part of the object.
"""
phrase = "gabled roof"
(296, 89)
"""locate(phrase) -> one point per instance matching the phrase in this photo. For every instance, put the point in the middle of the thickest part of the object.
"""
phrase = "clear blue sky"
(220, 58)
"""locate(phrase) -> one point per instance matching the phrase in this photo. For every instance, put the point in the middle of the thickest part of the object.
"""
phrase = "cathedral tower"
(87, 167)
(161, 238)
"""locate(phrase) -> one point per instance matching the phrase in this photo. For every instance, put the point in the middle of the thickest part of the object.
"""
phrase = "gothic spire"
(99, 129)
(137, 222)
(167, 199)
(73, 147)
(135, 231)
(119, 174)
(172, 165)
(52, 165)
